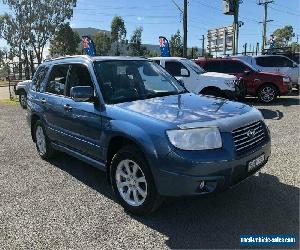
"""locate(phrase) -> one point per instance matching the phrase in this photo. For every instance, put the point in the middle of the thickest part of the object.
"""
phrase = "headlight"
(286, 79)
(196, 139)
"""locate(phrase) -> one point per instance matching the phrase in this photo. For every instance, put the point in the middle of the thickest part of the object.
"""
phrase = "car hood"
(219, 75)
(186, 108)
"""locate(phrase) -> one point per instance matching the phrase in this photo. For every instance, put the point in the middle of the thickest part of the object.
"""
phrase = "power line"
(286, 12)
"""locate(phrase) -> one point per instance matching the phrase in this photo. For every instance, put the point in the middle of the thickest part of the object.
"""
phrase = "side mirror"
(295, 65)
(184, 72)
(82, 93)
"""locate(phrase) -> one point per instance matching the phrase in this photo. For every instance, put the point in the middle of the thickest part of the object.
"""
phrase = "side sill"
(80, 156)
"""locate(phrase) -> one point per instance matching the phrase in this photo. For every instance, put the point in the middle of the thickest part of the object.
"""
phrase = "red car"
(267, 86)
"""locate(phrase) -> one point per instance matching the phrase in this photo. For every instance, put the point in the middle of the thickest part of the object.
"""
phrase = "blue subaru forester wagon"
(127, 116)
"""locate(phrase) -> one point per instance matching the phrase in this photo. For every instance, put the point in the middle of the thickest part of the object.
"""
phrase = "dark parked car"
(266, 86)
(129, 117)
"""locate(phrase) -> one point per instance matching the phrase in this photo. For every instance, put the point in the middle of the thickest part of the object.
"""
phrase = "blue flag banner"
(88, 46)
(164, 46)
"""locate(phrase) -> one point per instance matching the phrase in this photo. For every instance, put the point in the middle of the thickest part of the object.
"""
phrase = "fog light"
(201, 185)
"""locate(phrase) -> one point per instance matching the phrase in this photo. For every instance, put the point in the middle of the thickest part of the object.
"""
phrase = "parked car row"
(198, 81)
(266, 77)
(130, 118)
(267, 86)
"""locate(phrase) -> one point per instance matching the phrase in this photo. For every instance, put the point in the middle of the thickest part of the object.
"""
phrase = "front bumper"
(217, 175)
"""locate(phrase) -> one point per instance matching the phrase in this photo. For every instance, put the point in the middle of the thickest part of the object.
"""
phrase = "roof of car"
(94, 58)
(270, 55)
(167, 58)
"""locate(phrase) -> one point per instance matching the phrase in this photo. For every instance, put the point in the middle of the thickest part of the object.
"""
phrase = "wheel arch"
(212, 88)
(34, 119)
(115, 144)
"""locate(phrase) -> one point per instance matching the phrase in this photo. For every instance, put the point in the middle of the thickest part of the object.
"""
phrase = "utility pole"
(203, 44)
(236, 27)
(265, 3)
(184, 13)
(185, 7)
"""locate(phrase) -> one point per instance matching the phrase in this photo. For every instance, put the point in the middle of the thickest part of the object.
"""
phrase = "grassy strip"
(9, 102)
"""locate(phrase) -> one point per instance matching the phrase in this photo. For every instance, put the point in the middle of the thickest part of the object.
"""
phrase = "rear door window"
(267, 61)
(57, 80)
(233, 67)
(212, 66)
(174, 68)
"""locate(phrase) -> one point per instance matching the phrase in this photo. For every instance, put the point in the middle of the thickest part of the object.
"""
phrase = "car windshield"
(195, 67)
(129, 80)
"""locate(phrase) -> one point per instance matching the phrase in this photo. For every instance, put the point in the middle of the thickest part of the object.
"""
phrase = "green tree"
(295, 47)
(135, 45)
(65, 42)
(283, 36)
(35, 22)
(118, 32)
(102, 43)
(152, 53)
(176, 44)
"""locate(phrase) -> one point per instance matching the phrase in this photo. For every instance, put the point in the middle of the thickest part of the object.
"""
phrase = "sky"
(161, 17)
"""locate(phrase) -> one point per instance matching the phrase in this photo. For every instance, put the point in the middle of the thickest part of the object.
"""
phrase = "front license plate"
(256, 163)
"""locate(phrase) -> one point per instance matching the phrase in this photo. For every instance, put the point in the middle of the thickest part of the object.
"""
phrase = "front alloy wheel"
(267, 94)
(132, 181)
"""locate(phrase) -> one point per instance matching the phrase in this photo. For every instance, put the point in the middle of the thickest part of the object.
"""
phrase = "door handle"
(43, 100)
(67, 107)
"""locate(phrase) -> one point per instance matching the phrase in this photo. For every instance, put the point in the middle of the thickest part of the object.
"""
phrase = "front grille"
(249, 137)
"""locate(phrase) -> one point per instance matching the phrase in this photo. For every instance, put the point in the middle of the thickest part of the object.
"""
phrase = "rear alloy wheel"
(43, 144)
(267, 94)
(23, 100)
(132, 182)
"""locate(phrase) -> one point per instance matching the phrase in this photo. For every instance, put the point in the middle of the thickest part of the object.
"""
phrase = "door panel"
(51, 99)
(82, 125)
(82, 120)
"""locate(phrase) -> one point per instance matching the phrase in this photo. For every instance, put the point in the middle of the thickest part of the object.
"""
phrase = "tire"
(137, 197)
(267, 93)
(212, 92)
(43, 144)
(23, 100)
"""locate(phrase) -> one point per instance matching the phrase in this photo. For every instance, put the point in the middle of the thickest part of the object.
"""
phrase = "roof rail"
(64, 57)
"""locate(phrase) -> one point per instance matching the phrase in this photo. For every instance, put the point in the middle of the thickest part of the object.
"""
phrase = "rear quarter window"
(39, 77)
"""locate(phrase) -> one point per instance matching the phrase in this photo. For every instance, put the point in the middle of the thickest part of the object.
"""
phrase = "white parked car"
(198, 81)
(275, 63)
(21, 89)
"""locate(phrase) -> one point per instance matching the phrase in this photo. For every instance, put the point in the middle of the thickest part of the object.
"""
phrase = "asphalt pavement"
(65, 203)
